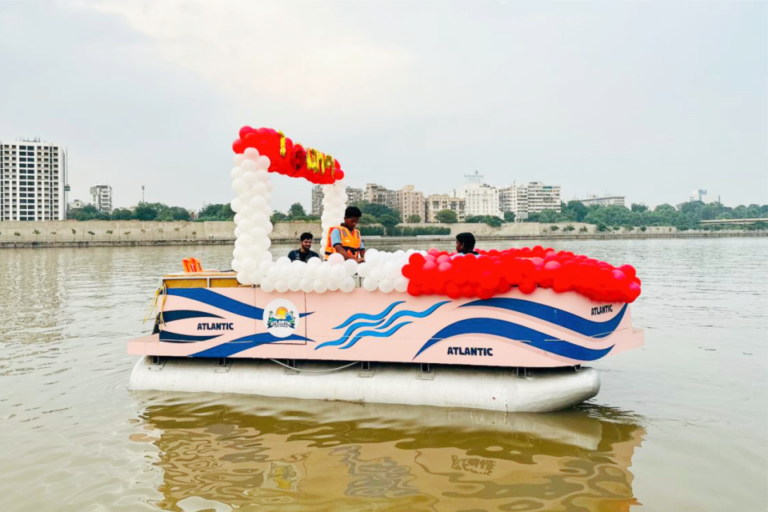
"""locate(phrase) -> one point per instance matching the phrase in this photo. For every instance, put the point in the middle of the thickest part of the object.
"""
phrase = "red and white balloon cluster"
(313, 276)
(496, 272)
(383, 270)
(288, 158)
(253, 186)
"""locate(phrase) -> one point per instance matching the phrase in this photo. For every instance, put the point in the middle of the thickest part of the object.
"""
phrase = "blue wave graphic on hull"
(374, 334)
(554, 315)
(367, 316)
(172, 337)
(217, 300)
(515, 332)
(378, 319)
(254, 340)
(183, 314)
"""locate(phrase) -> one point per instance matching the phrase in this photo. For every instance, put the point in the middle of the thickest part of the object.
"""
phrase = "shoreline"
(375, 240)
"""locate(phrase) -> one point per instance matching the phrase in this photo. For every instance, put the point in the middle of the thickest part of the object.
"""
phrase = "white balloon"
(246, 225)
(251, 153)
(258, 233)
(262, 175)
(350, 267)
(247, 211)
(264, 266)
(249, 265)
(236, 173)
(268, 227)
(363, 269)
(336, 259)
(270, 187)
(298, 268)
(347, 284)
(267, 284)
(401, 283)
(314, 262)
(390, 270)
(239, 186)
(236, 265)
(370, 284)
(248, 166)
(249, 177)
(338, 273)
(242, 278)
(255, 277)
(319, 286)
(238, 159)
(376, 273)
(239, 253)
(386, 285)
(282, 261)
(307, 285)
(236, 204)
(333, 286)
(259, 188)
(281, 286)
(263, 163)
(258, 202)
(294, 284)
(273, 273)
(245, 240)
(371, 256)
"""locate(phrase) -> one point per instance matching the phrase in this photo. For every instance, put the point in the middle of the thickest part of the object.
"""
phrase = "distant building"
(102, 198)
(77, 203)
(606, 200)
(317, 200)
(354, 195)
(439, 202)
(703, 196)
(411, 202)
(543, 197)
(33, 181)
(514, 198)
(378, 194)
(481, 199)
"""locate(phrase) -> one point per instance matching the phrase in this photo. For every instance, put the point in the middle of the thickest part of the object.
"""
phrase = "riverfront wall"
(70, 233)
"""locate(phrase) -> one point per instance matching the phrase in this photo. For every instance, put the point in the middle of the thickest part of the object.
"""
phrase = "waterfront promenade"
(138, 233)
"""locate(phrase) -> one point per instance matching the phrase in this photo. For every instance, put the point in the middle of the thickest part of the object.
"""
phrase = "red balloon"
(527, 287)
(245, 130)
(339, 174)
(238, 146)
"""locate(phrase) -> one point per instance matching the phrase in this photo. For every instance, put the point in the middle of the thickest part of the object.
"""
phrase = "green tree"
(509, 216)
(145, 212)
(579, 210)
(639, 208)
(548, 216)
(122, 214)
(36, 232)
(296, 211)
(278, 217)
(87, 212)
(389, 221)
(447, 217)
(178, 213)
(414, 219)
(367, 219)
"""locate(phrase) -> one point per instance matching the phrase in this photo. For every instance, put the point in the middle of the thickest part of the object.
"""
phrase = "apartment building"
(33, 181)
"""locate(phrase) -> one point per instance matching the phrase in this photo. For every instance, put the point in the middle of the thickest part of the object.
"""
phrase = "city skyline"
(584, 99)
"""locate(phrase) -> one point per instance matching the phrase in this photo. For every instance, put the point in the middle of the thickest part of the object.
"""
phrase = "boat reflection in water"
(242, 452)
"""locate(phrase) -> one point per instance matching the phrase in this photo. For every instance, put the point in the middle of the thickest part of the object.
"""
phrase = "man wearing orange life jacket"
(345, 239)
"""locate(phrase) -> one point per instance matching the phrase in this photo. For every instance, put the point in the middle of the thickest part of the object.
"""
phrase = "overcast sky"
(645, 99)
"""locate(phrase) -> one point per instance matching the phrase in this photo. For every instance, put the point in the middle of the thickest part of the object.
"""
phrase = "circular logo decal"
(281, 318)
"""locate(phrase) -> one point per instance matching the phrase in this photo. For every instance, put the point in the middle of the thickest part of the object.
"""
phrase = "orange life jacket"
(350, 241)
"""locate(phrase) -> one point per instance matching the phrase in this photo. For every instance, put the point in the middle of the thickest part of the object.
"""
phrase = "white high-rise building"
(543, 197)
(480, 199)
(33, 181)
(102, 198)
(514, 198)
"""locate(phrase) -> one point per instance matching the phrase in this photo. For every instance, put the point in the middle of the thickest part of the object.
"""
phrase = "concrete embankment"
(138, 233)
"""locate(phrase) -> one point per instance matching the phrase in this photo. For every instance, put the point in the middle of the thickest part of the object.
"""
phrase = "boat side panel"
(544, 329)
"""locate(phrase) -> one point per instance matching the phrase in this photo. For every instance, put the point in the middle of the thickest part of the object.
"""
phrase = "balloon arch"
(264, 150)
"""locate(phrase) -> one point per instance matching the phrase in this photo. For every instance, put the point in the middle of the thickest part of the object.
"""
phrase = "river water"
(681, 424)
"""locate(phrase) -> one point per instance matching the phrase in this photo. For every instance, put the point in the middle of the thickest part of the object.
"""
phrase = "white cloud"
(301, 53)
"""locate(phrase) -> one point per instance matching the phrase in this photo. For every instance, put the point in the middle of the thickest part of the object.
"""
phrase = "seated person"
(345, 239)
(465, 244)
(304, 252)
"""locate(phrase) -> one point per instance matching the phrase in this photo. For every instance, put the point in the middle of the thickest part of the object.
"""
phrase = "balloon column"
(334, 203)
(288, 158)
(496, 272)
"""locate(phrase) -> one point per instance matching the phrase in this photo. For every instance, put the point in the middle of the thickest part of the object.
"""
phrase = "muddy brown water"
(681, 424)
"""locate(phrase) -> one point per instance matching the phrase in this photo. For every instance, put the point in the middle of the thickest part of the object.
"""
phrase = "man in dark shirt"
(304, 252)
(465, 244)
